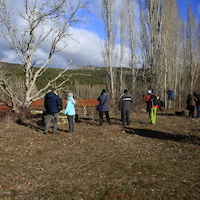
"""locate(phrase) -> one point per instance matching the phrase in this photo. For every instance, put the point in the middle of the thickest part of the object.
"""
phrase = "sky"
(85, 49)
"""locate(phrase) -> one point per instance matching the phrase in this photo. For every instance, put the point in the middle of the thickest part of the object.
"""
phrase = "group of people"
(124, 106)
(53, 105)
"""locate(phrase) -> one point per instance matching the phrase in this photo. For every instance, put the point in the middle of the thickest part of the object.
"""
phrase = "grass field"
(139, 161)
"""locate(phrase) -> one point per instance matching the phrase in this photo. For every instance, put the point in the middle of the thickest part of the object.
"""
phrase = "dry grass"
(140, 161)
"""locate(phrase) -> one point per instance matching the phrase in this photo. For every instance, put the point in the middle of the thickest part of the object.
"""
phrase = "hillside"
(88, 75)
(85, 75)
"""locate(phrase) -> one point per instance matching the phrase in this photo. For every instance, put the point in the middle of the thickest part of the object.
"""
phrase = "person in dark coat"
(53, 105)
(124, 105)
(191, 103)
(197, 104)
(104, 100)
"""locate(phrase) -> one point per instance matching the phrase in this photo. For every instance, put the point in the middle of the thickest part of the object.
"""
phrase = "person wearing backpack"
(152, 103)
(104, 100)
(147, 99)
(125, 105)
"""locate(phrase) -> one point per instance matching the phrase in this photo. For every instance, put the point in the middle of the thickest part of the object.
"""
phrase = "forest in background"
(86, 82)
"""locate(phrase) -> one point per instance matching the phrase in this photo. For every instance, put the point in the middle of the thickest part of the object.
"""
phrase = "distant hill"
(82, 79)
(88, 68)
(10, 64)
(84, 74)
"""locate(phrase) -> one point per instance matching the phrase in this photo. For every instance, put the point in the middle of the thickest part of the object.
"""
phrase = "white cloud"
(87, 49)
(10, 57)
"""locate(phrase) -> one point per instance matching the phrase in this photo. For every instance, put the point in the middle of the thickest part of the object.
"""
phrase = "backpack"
(153, 100)
(100, 106)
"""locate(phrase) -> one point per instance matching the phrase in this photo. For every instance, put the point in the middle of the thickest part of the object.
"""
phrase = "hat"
(103, 91)
(148, 91)
(70, 94)
(125, 91)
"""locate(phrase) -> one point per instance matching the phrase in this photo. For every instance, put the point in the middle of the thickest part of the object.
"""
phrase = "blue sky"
(90, 36)
(183, 4)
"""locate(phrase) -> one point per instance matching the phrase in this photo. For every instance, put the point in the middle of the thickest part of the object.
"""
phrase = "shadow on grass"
(30, 125)
(39, 127)
(96, 121)
(163, 136)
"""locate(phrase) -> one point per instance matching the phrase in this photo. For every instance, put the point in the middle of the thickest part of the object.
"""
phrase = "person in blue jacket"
(70, 111)
(170, 97)
(53, 105)
(104, 100)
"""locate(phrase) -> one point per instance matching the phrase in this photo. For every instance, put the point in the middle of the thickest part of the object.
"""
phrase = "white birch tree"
(109, 51)
(123, 28)
(192, 44)
(42, 21)
(130, 6)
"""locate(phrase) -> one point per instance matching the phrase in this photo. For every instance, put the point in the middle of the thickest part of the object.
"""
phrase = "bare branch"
(42, 21)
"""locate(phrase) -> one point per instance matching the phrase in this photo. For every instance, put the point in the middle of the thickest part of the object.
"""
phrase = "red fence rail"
(40, 103)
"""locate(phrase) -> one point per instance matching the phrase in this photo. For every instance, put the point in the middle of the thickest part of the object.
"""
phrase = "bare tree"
(177, 44)
(132, 39)
(170, 43)
(109, 49)
(170, 50)
(182, 60)
(144, 46)
(42, 20)
(192, 47)
(123, 27)
(151, 24)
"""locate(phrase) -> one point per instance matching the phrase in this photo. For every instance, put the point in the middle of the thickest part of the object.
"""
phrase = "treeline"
(85, 84)
(166, 47)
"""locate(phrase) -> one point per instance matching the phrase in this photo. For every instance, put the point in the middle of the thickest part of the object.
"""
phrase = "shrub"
(9, 115)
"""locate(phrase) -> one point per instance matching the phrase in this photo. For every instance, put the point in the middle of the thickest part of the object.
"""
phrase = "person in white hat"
(147, 99)
(70, 111)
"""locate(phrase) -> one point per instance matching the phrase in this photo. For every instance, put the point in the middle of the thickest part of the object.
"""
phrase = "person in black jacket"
(124, 105)
(53, 105)
(104, 100)
(197, 104)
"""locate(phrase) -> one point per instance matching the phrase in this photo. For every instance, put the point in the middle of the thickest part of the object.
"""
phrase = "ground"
(139, 161)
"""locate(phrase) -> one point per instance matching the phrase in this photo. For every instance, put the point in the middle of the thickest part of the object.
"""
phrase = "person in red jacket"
(152, 106)
(147, 99)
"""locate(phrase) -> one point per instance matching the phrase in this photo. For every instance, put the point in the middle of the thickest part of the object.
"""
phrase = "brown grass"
(139, 161)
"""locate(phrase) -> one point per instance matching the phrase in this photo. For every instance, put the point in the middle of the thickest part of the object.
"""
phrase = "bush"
(9, 115)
